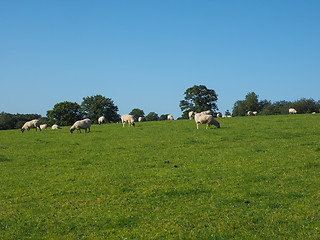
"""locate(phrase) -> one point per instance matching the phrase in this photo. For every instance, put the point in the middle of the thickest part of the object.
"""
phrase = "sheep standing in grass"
(55, 127)
(249, 113)
(101, 120)
(170, 117)
(201, 118)
(81, 124)
(31, 124)
(292, 111)
(126, 118)
(43, 126)
(140, 119)
(255, 113)
(191, 115)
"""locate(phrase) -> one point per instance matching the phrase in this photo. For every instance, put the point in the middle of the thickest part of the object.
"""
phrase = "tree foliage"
(152, 116)
(96, 106)
(198, 98)
(12, 121)
(265, 107)
(136, 112)
(64, 113)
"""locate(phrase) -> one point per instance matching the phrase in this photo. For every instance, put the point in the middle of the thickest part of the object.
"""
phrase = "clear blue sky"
(145, 54)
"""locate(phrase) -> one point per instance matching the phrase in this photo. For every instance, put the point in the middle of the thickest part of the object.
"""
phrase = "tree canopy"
(64, 113)
(96, 106)
(198, 98)
(136, 112)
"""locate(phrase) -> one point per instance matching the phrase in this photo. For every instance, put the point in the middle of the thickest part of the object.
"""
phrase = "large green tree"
(64, 113)
(152, 116)
(96, 106)
(198, 98)
(136, 112)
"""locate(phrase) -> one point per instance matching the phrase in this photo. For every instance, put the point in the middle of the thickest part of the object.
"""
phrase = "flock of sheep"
(205, 117)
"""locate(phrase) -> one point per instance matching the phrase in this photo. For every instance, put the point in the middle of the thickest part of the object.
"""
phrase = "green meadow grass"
(254, 178)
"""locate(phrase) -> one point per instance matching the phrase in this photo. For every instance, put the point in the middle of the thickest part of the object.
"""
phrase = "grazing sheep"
(101, 120)
(249, 113)
(313, 112)
(35, 123)
(55, 126)
(201, 118)
(43, 126)
(81, 124)
(219, 115)
(224, 116)
(292, 111)
(255, 113)
(191, 115)
(126, 118)
(170, 117)
(140, 119)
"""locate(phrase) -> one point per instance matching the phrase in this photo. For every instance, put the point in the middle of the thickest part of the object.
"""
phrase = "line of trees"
(11, 121)
(197, 98)
(265, 107)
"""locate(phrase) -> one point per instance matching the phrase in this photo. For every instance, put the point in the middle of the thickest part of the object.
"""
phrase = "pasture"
(254, 178)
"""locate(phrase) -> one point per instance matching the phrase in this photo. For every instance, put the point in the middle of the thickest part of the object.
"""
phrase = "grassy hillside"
(255, 177)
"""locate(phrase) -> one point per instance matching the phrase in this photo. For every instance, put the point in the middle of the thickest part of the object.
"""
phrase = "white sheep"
(201, 118)
(101, 120)
(35, 123)
(219, 115)
(55, 126)
(292, 111)
(249, 113)
(81, 124)
(191, 115)
(255, 113)
(126, 118)
(170, 117)
(43, 126)
(208, 112)
(140, 119)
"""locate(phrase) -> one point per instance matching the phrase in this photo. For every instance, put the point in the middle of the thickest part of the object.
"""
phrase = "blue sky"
(145, 54)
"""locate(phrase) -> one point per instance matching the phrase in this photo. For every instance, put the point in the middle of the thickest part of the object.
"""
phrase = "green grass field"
(254, 178)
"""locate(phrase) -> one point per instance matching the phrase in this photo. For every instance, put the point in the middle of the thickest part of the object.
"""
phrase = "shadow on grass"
(4, 159)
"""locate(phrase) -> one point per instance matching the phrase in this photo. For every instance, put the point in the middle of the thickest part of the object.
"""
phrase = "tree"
(152, 116)
(252, 102)
(163, 117)
(198, 99)
(64, 113)
(136, 112)
(96, 106)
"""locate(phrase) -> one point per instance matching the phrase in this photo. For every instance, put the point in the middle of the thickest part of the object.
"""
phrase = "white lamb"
(249, 113)
(140, 119)
(201, 118)
(219, 115)
(43, 126)
(35, 123)
(55, 126)
(170, 117)
(126, 118)
(81, 124)
(255, 113)
(292, 111)
(101, 120)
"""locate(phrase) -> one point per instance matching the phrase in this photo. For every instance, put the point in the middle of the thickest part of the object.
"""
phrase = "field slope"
(254, 178)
